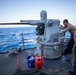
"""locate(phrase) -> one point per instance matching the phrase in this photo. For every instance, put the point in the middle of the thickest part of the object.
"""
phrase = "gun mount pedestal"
(51, 50)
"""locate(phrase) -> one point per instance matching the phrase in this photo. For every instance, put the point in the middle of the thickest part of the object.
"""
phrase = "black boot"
(71, 73)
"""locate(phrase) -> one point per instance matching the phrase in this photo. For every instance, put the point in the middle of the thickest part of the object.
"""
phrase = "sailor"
(74, 72)
(69, 27)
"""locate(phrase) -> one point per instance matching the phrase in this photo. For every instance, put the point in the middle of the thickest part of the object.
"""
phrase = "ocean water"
(11, 37)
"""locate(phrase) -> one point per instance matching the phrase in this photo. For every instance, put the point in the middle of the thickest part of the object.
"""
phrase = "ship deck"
(8, 65)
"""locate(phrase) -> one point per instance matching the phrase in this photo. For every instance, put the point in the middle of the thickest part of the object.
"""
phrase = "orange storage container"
(39, 62)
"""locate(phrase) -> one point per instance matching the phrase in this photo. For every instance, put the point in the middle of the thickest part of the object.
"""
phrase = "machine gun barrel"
(18, 23)
(25, 22)
(33, 22)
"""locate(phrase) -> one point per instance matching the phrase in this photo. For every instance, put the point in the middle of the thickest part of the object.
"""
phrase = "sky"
(16, 10)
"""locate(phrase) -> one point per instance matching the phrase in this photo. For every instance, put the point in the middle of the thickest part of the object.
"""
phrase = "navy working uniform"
(75, 62)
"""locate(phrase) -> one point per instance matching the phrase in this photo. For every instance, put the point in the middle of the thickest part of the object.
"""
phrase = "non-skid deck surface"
(8, 65)
(51, 67)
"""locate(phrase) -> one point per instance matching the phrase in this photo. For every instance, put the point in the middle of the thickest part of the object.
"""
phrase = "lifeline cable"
(3, 52)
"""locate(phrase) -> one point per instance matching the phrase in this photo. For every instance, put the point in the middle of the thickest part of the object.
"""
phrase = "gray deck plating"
(8, 65)
(52, 67)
